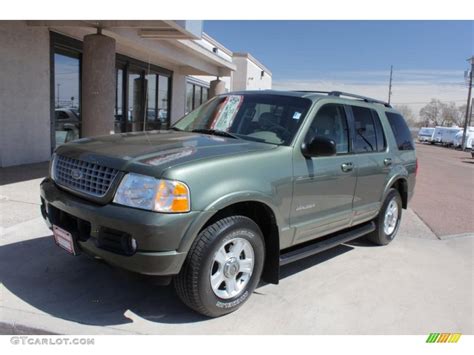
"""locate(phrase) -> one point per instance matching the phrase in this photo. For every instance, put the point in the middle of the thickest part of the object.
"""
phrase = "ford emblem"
(76, 174)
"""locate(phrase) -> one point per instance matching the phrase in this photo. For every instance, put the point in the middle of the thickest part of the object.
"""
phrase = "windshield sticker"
(296, 115)
(227, 112)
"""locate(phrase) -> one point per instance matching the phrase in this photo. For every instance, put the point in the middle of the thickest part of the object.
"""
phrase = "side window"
(381, 141)
(331, 122)
(400, 131)
(365, 132)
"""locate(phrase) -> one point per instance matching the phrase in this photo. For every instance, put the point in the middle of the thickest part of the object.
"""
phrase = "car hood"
(151, 153)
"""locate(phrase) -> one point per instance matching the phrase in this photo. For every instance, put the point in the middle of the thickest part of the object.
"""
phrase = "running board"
(326, 244)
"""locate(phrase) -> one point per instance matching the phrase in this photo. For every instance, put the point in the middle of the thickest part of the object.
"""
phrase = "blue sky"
(429, 57)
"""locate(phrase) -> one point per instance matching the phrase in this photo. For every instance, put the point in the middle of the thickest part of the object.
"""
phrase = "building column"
(217, 87)
(178, 96)
(98, 85)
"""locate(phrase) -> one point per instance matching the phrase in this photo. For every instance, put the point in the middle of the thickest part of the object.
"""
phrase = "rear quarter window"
(400, 131)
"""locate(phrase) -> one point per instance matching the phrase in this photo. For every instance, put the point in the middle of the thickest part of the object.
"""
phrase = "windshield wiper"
(215, 132)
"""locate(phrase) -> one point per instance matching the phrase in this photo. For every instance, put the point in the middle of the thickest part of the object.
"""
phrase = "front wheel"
(388, 220)
(223, 267)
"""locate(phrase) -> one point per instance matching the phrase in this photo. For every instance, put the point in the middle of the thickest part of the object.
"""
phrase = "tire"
(212, 255)
(385, 234)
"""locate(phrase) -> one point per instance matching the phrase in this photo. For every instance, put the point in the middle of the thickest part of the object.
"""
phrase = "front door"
(324, 186)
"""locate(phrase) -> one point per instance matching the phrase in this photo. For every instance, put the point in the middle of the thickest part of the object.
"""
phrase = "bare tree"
(462, 113)
(451, 115)
(407, 112)
(432, 113)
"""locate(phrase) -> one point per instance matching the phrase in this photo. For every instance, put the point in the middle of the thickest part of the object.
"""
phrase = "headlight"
(148, 193)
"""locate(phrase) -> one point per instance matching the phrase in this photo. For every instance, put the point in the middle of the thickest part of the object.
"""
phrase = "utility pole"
(390, 84)
(466, 120)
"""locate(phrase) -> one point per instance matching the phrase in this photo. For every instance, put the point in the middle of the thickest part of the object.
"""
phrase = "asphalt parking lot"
(420, 283)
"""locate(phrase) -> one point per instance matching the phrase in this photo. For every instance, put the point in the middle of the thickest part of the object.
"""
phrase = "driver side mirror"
(319, 146)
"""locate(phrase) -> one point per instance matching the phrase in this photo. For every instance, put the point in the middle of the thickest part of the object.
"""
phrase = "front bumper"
(105, 231)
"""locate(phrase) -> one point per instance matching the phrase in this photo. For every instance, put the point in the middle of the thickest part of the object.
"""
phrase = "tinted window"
(331, 122)
(381, 142)
(400, 131)
(365, 132)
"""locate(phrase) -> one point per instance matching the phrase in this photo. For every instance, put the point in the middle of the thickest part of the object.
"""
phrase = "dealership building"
(62, 80)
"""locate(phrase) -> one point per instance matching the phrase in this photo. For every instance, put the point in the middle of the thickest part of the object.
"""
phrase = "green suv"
(247, 182)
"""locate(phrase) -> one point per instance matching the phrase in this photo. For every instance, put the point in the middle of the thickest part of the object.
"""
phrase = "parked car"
(246, 183)
(67, 125)
(425, 134)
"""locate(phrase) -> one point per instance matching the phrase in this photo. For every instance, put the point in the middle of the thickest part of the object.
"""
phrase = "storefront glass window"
(152, 121)
(205, 94)
(119, 103)
(196, 95)
(163, 98)
(189, 97)
(67, 98)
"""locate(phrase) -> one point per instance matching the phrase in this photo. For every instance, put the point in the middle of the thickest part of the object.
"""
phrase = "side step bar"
(326, 244)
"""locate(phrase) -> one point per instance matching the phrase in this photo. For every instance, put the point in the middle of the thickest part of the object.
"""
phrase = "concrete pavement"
(416, 285)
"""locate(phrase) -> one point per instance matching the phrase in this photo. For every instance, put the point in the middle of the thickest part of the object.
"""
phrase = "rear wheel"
(223, 267)
(387, 222)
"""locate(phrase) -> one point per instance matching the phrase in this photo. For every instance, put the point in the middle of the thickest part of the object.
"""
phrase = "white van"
(425, 134)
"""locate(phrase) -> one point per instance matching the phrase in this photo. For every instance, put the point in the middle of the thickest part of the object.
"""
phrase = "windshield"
(272, 119)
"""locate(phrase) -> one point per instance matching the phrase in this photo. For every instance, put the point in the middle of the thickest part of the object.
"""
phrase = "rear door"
(324, 186)
(373, 161)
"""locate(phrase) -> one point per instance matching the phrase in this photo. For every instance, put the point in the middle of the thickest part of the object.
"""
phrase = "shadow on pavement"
(25, 172)
(84, 290)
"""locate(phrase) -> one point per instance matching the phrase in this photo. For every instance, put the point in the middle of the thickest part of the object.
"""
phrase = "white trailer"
(469, 138)
(444, 135)
(425, 134)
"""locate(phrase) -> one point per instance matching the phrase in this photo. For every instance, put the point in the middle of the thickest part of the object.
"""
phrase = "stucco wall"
(24, 94)
(239, 77)
(255, 80)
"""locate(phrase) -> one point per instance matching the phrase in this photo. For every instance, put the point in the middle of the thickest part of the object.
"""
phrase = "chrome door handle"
(346, 167)
(387, 161)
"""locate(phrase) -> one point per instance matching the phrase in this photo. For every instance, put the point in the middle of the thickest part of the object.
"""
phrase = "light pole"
(466, 119)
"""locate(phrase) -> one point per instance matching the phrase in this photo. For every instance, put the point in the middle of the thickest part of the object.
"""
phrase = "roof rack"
(341, 93)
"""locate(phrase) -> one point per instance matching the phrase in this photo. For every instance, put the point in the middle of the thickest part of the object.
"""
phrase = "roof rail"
(341, 93)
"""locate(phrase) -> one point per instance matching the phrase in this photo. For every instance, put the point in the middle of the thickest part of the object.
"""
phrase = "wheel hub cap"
(391, 217)
(232, 268)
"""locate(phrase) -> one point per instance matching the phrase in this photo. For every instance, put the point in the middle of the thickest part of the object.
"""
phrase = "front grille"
(82, 176)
